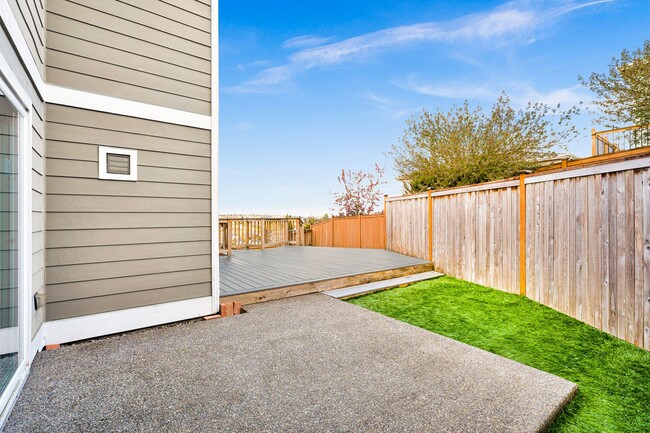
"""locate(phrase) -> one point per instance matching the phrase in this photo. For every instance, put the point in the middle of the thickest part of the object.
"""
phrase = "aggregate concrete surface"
(305, 364)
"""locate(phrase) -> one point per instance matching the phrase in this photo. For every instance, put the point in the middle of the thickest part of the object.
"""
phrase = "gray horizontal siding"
(114, 245)
(112, 287)
(30, 16)
(144, 50)
(78, 307)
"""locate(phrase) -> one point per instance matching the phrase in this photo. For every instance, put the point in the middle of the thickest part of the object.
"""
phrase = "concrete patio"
(308, 363)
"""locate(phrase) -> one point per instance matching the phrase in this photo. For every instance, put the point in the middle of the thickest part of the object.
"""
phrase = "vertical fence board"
(646, 258)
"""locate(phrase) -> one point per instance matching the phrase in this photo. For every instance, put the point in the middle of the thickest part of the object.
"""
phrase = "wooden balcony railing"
(261, 233)
(616, 140)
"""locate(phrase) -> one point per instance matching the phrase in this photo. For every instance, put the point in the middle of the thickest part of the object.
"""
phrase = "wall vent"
(118, 164)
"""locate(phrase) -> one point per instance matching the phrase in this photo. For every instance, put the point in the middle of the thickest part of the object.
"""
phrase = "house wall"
(150, 51)
(29, 14)
(112, 244)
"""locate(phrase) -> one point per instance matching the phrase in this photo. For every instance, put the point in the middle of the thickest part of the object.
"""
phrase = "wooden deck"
(252, 276)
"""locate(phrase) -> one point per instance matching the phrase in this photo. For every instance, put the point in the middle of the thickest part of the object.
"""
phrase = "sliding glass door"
(12, 332)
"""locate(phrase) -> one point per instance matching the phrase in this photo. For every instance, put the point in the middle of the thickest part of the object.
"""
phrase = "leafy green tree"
(464, 146)
(623, 93)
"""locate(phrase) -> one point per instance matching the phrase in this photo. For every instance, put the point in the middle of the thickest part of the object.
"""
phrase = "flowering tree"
(361, 194)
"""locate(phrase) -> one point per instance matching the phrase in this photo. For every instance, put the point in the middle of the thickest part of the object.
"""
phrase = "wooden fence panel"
(476, 237)
(373, 232)
(406, 227)
(587, 247)
(365, 231)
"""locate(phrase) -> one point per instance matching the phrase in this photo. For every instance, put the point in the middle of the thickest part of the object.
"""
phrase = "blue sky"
(311, 87)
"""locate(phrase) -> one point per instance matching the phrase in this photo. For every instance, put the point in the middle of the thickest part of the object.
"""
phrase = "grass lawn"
(613, 376)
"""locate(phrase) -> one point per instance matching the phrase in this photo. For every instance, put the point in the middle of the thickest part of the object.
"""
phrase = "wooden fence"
(261, 233)
(366, 231)
(575, 239)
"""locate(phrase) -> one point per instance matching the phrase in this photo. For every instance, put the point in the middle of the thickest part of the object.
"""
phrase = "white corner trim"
(12, 81)
(124, 107)
(113, 322)
(591, 171)
(38, 342)
(103, 163)
(17, 37)
(214, 152)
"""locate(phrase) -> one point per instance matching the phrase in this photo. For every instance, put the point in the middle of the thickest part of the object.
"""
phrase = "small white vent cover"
(118, 164)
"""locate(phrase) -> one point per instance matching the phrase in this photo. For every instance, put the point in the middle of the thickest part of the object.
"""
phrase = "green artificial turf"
(613, 376)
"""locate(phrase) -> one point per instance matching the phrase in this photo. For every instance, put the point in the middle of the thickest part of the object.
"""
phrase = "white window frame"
(16, 94)
(133, 163)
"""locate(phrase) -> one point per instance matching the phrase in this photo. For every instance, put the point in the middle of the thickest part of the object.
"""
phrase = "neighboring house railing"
(616, 140)
(366, 231)
(260, 233)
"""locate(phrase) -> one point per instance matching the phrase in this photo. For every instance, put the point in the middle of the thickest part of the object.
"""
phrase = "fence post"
(522, 234)
(263, 231)
(430, 227)
(594, 151)
(359, 228)
(228, 236)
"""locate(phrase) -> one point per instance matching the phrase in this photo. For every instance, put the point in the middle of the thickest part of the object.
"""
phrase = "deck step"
(362, 289)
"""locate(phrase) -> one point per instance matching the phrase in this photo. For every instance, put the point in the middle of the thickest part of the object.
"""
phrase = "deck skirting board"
(253, 297)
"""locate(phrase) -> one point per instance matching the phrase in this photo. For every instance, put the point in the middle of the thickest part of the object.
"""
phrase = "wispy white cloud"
(456, 90)
(520, 93)
(377, 99)
(566, 96)
(267, 81)
(243, 126)
(305, 41)
(242, 67)
(391, 107)
(512, 22)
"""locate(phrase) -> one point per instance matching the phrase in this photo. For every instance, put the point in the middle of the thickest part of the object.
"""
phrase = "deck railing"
(261, 233)
(616, 140)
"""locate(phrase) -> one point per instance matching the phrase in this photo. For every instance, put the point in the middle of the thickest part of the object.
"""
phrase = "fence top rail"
(609, 167)
(626, 160)
(625, 128)
(499, 184)
(259, 218)
(354, 217)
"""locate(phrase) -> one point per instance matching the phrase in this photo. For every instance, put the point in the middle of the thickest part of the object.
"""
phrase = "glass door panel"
(11, 350)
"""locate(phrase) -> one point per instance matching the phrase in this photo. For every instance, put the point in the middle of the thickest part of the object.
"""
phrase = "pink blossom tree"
(361, 192)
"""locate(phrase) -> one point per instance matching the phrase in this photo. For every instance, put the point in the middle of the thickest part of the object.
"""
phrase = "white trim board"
(113, 322)
(23, 51)
(38, 342)
(591, 171)
(124, 107)
(214, 153)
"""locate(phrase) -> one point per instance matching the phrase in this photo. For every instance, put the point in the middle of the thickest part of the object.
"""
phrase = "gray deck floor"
(304, 364)
(254, 270)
